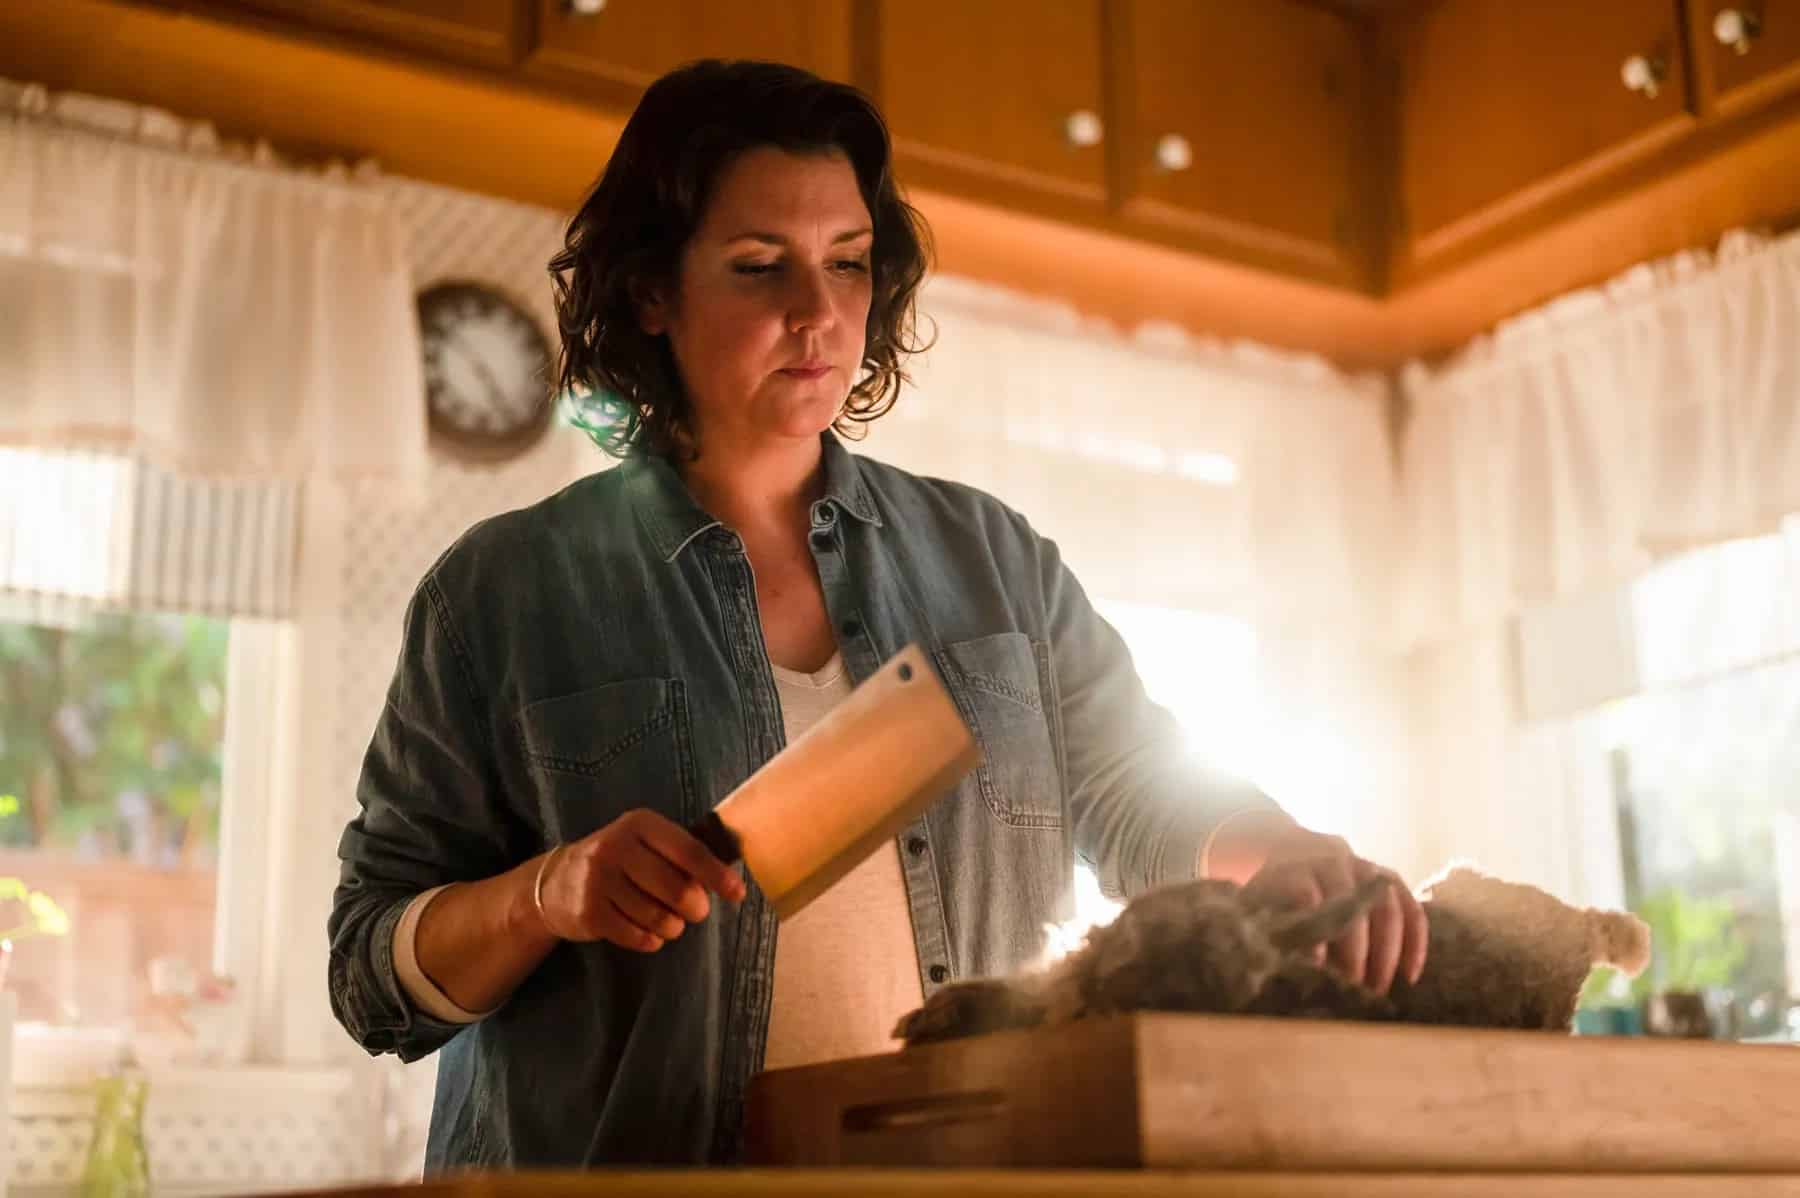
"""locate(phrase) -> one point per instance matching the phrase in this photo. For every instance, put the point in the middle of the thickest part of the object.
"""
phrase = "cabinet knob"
(1736, 28)
(1643, 74)
(1083, 129)
(585, 8)
(1173, 153)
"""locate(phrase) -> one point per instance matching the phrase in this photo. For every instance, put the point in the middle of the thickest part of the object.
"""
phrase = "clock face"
(486, 370)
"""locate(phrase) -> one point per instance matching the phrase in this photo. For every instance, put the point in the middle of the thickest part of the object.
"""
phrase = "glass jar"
(117, 1164)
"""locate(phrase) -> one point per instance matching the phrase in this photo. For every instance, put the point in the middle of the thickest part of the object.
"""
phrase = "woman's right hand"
(637, 883)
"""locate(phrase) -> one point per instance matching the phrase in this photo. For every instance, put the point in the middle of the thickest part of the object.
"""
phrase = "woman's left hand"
(1301, 868)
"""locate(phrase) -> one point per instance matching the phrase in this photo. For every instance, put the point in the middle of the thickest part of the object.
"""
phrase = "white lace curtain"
(1170, 470)
(196, 306)
(1582, 441)
(1548, 467)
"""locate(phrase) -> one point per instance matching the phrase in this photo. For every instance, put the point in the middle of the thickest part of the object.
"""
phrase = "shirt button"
(939, 974)
(851, 628)
(916, 846)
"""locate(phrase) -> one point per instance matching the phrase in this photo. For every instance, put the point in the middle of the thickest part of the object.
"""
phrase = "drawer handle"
(1643, 74)
(936, 1110)
(1173, 152)
(585, 8)
(1084, 129)
(1736, 28)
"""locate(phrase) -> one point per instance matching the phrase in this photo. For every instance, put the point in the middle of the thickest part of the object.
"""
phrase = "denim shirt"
(601, 651)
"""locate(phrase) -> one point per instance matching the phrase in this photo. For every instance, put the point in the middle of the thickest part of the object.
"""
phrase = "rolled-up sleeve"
(431, 812)
(1142, 806)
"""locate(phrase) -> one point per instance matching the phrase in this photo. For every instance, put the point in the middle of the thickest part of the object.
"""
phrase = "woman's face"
(772, 299)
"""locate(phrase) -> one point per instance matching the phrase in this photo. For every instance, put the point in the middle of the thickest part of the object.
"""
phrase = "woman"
(582, 679)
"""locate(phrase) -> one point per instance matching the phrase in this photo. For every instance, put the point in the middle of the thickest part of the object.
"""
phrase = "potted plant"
(24, 912)
(1696, 948)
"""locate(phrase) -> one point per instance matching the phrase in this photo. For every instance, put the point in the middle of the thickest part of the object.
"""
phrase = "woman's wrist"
(525, 915)
(1241, 842)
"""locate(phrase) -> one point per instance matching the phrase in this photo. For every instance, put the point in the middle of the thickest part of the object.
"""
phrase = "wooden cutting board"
(1209, 1092)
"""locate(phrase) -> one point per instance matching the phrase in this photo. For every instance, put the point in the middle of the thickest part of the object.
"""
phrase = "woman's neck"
(758, 492)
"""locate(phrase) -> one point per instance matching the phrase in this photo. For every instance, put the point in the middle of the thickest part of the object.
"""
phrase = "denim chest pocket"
(596, 754)
(999, 685)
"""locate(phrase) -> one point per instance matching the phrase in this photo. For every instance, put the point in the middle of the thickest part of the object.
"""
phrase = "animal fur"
(1501, 954)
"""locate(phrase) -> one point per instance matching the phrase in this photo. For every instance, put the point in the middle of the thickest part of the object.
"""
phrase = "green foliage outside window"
(1695, 945)
(111, 736)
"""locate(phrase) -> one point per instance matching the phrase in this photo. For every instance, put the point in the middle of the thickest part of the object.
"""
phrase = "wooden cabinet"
(992, 98)
(621, 47)
(489, 32)
(1745, 54)
(1436, 164)
(1506, 104)
(1247, 130)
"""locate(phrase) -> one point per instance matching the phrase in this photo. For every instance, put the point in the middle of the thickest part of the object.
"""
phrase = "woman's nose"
(809, 302)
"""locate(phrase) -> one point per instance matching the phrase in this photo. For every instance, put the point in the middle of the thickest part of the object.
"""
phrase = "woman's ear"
(653, 307)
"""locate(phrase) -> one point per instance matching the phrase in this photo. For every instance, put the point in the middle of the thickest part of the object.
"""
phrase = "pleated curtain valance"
(83, 532)
(201, 309)
(1584, 441)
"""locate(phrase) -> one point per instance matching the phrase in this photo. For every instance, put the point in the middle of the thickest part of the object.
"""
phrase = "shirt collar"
(671, 518)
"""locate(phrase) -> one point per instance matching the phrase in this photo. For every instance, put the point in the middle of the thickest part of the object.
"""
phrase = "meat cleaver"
(823, 804)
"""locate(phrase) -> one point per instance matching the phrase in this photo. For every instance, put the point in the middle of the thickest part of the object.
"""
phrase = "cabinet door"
(995, 97)
(1508, 104)
(616, 48)
(482, 31)
(1248, 131)
(1746, 53)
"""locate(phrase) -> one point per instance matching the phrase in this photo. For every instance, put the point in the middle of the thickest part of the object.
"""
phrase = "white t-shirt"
(847, 967)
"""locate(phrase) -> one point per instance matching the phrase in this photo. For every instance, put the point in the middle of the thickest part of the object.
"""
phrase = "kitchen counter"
(908, 1183)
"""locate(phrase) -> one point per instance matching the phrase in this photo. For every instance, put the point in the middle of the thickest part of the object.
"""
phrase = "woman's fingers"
(1389, 941)
(637, 882)
(1418, 935)
(619, 928)
(643, 911)
(674, 843)
(1387, 930)
(653, 874)
(1290, 886)
(1350, 951)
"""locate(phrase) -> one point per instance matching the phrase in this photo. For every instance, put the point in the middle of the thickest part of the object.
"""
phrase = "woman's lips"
(804, 372)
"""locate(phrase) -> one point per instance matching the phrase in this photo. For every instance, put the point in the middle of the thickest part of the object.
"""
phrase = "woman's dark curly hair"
(621, 382)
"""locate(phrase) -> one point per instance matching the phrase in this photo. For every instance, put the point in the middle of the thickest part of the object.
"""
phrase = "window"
(146, 648)
(111, 748)
(1704, 781)
(1693, 778)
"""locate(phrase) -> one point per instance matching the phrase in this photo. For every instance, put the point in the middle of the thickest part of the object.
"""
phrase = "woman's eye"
(846, 266)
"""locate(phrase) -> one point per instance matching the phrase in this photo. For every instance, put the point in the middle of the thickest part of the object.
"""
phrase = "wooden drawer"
(489, 32)
(1204, 1092)
(993, 97)
(622, 48)
(1506, 106)
(1761, 65)
(1247, 130)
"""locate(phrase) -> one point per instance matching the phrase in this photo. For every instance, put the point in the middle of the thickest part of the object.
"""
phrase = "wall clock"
(487, 368)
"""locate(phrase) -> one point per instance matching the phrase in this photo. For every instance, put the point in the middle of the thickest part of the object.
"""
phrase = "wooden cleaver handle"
(719, 840)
